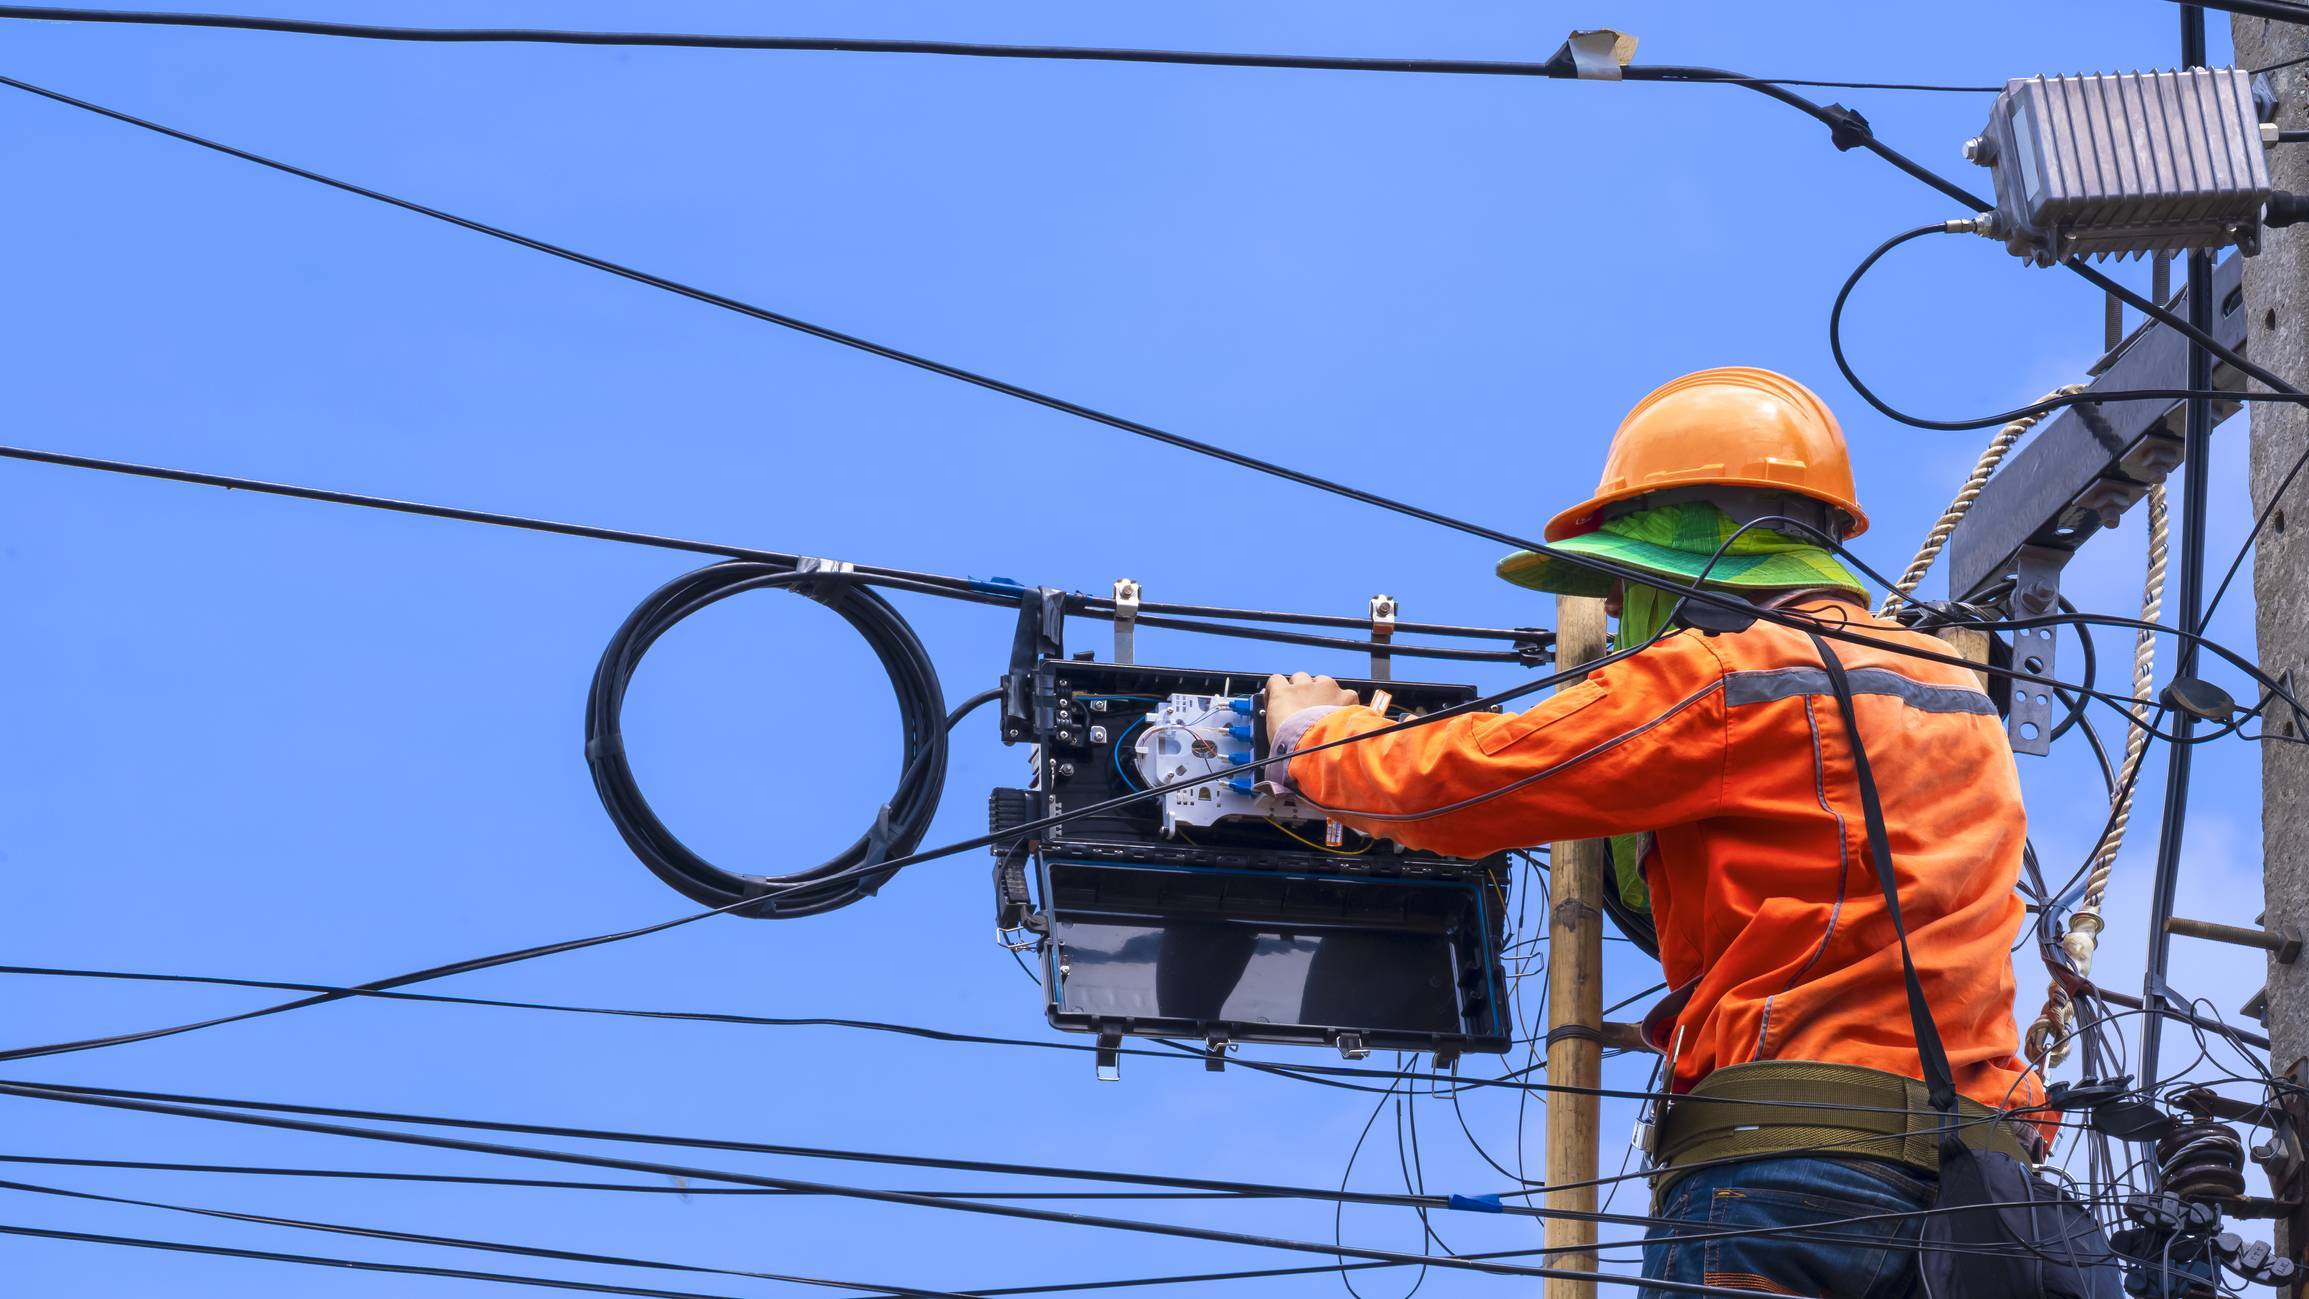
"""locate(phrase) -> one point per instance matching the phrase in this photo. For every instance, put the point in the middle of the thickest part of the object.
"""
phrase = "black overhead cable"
(351, 1264)
(1305, 1072)
(1179, 1230)
(133, 1101)
(1233, 1189)
(851, 45)
(1850, 131)
(217, 1106)
(935, 584)
(868, 346)
(691, 1190)
(563, 1184)
(486, 1246)
(961, 588)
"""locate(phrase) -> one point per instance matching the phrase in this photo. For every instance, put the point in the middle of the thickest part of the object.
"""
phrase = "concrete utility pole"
(1575, 885)
(2276, 294)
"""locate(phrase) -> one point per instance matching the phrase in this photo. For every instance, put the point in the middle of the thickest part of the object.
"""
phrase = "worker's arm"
(1637, 746)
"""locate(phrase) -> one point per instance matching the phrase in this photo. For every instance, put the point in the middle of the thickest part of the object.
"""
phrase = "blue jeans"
(1845, 1260)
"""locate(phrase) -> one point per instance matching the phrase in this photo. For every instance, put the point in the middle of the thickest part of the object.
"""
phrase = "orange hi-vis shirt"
(1728, 746)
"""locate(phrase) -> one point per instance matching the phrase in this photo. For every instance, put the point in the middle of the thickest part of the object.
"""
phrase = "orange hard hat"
(1734, 426)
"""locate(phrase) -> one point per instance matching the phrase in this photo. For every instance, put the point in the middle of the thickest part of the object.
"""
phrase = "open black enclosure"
(1250, 928)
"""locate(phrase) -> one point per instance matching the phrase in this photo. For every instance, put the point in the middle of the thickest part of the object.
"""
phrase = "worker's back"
(1770, 909)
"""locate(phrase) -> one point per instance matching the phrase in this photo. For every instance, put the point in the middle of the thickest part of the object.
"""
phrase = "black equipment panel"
(1243, 930)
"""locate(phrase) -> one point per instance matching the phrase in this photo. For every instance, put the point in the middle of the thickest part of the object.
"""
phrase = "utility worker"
(1716, 762)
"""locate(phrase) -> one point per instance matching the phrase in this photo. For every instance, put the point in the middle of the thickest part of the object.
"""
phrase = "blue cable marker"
(1478, 1203)
(997, 585)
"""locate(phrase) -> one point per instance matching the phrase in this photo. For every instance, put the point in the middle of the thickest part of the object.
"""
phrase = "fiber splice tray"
(1219, 913)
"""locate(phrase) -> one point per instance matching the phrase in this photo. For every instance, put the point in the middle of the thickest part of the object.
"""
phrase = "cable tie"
(1009, 586)
(1478, 1203)
(1847, 129)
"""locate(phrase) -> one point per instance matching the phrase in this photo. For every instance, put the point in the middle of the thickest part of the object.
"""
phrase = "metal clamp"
(1382, 637)
(1109, 1057)
(811, 565)
(1125, 620)
(1599, 54)
(2036, 590)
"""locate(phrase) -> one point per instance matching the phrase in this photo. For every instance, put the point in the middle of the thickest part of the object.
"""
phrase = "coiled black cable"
(898, 827)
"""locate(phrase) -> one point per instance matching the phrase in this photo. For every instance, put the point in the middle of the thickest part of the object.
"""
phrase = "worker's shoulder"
(1860, 640)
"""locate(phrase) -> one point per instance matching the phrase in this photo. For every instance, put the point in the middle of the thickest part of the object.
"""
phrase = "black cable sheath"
(559, 1184)
(466, 1242)
(2279, 389)
(852, 45)
(855, 872)
(349, 1264)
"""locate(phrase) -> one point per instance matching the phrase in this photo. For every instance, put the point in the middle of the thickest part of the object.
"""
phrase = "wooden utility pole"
(2276, 296)
(1576, 881)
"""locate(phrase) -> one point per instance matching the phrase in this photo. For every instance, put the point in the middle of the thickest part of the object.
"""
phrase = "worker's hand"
(1287, 695)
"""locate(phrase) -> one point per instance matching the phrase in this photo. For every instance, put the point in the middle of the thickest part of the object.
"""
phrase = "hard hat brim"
(1558, 575)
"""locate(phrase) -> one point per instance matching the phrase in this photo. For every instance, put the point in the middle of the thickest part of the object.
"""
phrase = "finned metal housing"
(2125, 163)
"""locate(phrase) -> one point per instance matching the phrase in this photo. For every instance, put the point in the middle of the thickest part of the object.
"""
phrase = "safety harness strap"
(1939, 1080)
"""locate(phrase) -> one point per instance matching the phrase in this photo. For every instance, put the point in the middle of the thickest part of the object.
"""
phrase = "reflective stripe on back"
(1761, 687)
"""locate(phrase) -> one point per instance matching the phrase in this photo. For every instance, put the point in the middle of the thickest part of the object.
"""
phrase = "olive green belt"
(1769, 1108)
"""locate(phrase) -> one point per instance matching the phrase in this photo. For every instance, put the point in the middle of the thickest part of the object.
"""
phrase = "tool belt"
(1772, 1108)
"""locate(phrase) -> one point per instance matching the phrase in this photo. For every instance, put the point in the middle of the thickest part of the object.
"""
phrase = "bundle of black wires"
(898, 827)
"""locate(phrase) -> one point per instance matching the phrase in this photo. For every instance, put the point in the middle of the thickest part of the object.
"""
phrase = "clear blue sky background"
(261, 738)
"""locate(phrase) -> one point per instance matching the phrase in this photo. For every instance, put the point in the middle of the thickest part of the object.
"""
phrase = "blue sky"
(269, 739)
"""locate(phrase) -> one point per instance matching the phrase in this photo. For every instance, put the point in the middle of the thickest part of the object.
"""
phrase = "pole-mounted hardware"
(2036, 592)
(2284, 944)
(1126, 594)
(1383, 612)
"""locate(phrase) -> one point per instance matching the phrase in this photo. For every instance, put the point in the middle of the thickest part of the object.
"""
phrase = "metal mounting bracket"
(2036, 590)
(1125, 620)
(1382, 637)
(1109, 1057)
